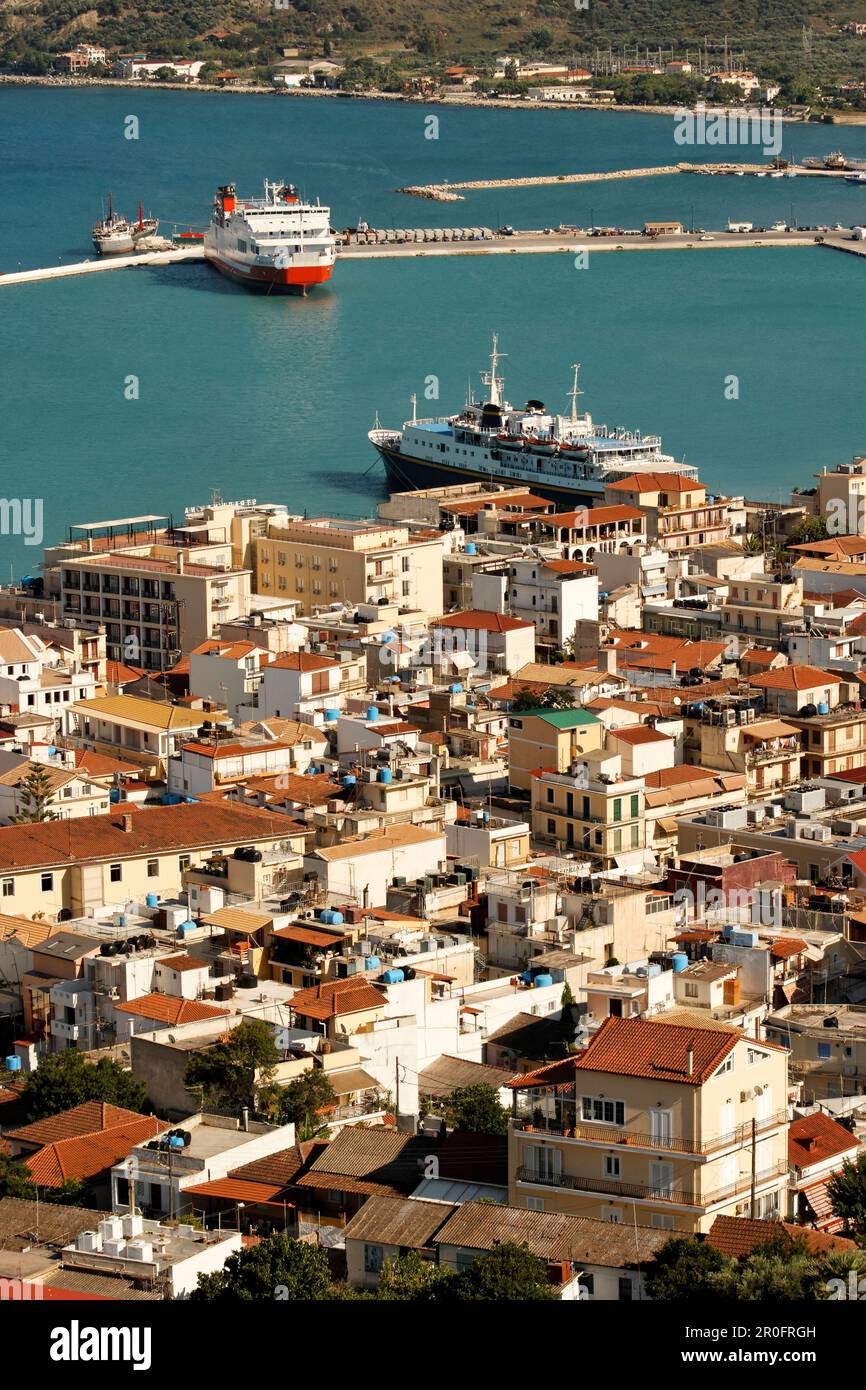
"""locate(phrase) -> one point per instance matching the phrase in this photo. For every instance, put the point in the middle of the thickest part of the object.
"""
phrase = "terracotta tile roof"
(656, 482)
(100, 764)
(794, 678)
(784, 949)
(303, 661)
(281, 1168)
(641, 733)
(476, 619)
(659, 1052)
(154, 829)
(595, 516)
(815, 1138)
(739, 1235)
(89, 1154)
(183, 962)
(569, 567)
(236, 1190)
(337, 997)
(86, 1118)
(760, 656)
(553, 1074)
(309, 936)
(164, 1008)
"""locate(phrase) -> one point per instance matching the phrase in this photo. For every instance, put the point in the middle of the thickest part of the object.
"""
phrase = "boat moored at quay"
(565, 458)
(276, 243)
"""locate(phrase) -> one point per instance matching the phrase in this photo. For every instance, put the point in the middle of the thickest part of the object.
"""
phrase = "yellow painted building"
(658, 1124)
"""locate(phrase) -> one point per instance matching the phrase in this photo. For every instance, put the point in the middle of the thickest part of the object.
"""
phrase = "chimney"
(673, 672)
(607, 660)
(126, 823)
(180, 561)
(245, 1119)
(690, 1059)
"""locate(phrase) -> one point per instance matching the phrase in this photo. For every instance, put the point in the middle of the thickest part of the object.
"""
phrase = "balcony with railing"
(673, 1192)
(611, 1136)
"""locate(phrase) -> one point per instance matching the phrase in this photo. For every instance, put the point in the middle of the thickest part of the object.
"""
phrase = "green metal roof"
(563, 718)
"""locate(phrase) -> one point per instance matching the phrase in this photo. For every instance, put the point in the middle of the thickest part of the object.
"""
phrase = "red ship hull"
(273, 279)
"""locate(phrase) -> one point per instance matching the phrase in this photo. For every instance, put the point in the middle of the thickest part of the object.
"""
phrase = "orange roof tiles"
(91, 1115)
(303, 661)
(656, 482)
(657, 1051)
(815, 1138)
(794, 678)
(584, 518)
(164, 1008)
(324, 1001)
(480, 620)
(88, 1154)
(736, 1236)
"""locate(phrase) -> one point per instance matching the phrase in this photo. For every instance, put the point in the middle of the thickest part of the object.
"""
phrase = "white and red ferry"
(276, 242)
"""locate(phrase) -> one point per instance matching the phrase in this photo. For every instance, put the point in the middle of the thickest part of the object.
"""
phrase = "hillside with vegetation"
(789, 40)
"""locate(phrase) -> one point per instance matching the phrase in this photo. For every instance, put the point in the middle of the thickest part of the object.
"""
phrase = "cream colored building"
(549, 738)
(598, 812)
(657, 1124)
(765, 750)
(145, 731)
(764, 609)
(325, 560)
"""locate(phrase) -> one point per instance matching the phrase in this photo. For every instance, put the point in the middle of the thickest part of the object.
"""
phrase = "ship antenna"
(414, 399)
(490, 378)
(574, 392)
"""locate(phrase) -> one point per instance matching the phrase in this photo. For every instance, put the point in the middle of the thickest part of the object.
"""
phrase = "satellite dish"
(677, 700)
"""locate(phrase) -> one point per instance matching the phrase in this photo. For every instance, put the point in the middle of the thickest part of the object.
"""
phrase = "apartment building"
(833, 741)
(155, 602)
(38, 678)
(548, 738)
(764, 609)
(146, 732)
(736, 738)
(659, 1123)
(596, 811)
(554, 595)
(70, 792)
(227, 673)
(827, 1045)
(73, 866)
(478, 642)
(327, 559)
(294, 685)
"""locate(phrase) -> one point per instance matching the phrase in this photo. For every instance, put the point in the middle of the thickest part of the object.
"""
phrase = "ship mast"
(574, 392)
(414, 399)
(490, 378)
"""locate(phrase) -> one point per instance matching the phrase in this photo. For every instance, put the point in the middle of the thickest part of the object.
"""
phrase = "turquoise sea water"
(272, 397)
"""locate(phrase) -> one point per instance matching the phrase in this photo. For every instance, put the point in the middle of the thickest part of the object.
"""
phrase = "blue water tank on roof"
(13, 1063)
(372, 714)
(372, 962)
(823, 707)
(152, 900)
(350, 780)
(679, 961)
(331, 716)
(471, 548)
(456, 688)
(385, 774)
(393, 977)
(541, 980)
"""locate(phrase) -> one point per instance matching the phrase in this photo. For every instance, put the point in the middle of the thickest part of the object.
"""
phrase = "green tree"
(15, 1178)
(554, 697)
(811, 528)
(508, 1273)
(567, 996)
(65, 1079)
(278, 1268)
(847, 1192)
(302, 1098)
(234, 1073)
(411, 1279)
(37, 791)
(687, 1271)
(477, 1109)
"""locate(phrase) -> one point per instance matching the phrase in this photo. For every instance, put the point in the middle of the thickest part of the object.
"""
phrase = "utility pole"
(753, 1202)
(397, 1090)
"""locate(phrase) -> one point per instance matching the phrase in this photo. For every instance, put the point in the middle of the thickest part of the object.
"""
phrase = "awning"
(235, 919)
(461, 660)
(769, 728)
(667, 824)
(819, 1200)
(353, 1079)
(236, 1190)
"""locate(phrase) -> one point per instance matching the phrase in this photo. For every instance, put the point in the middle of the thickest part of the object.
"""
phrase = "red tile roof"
(88, 1154)
(657, 1051)
(337, 997)
(164, 1008)
(815, 1138)
(794, 678)
(303, 661)
(91, 1115)
(736, 1236)
(656, 482)
(153, 829)
(584, 518)
(480, 620)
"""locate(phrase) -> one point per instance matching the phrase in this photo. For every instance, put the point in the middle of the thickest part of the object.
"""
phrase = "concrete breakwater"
(447, 192)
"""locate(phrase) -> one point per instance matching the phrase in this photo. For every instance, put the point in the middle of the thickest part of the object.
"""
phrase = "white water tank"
(139, 1250)
(87, 1242)
(114, 1248)
(111, 1228)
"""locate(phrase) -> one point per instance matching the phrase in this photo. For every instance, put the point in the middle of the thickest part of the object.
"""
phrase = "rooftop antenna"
(574, 392)
(490, 378)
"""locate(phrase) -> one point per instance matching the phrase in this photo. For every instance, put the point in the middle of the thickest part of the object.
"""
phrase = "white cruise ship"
(566, 458)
